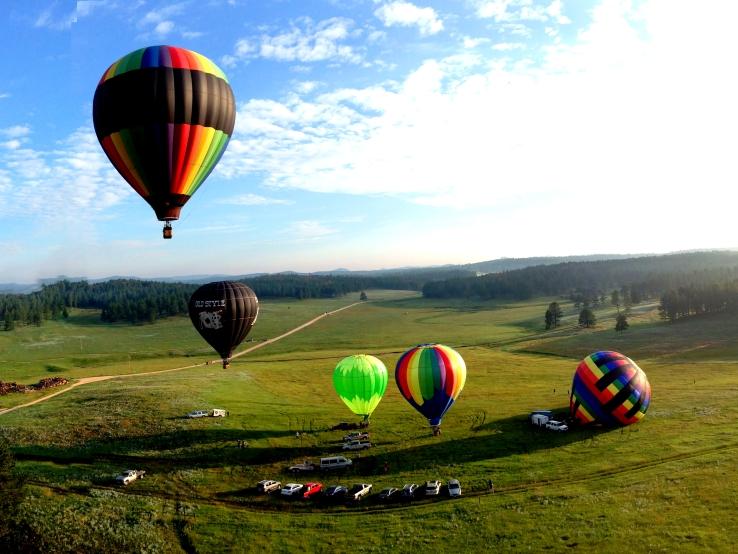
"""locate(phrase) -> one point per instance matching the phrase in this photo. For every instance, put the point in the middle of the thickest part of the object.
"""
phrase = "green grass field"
(667, 484)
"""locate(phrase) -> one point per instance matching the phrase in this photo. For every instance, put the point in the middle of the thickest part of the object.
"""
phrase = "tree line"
(139, 301)
(696, 300)
(635, 279)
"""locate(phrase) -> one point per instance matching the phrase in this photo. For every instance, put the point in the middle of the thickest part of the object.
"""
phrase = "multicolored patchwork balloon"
(609, 389)
(430, 377)
(164, 115)
(360, 380)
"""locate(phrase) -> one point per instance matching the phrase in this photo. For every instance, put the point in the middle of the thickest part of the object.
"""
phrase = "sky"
(381, 133)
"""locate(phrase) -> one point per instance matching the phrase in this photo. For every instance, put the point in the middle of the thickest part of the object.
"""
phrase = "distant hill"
(509, 264)
(646, 275)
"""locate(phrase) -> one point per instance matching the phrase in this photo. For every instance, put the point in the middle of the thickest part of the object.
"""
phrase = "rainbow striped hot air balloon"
(609, 389)
(430, 377)
(360, 380)
(164, 115)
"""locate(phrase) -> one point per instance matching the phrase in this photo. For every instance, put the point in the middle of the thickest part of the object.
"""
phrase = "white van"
(335, 462)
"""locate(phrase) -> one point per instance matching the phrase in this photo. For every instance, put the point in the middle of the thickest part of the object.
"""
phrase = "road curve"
(87, 380)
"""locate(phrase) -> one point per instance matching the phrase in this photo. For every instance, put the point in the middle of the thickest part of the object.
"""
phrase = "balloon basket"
(436, 430)
(167, 231)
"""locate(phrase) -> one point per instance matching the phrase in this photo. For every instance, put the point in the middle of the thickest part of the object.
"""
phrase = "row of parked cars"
(358, 491)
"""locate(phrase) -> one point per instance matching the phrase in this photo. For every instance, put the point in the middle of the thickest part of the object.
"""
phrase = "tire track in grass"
(87, 380)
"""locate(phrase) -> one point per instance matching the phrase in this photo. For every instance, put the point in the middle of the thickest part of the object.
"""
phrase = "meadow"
(665, 484)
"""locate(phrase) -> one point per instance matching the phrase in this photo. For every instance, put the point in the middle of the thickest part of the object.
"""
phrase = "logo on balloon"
(210, 320)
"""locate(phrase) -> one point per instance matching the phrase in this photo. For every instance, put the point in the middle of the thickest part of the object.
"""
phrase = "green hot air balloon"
(360, 380)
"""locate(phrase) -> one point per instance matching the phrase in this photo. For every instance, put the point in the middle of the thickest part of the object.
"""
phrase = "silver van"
(335, 462)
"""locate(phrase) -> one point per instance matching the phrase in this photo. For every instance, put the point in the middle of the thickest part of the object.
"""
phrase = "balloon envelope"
(223, 313)
(164, 115)
(609, 389)
(360, 380)
(430, 377)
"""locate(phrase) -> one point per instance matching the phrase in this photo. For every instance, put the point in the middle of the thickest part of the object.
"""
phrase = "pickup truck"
(359, 491)
(304, 467)
(129, 476)
(356, 435)
(356, 445)
(553, 425)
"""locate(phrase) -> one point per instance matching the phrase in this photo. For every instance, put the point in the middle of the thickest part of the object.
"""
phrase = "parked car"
(291, 489)
(557, 426)
(311, 489)
(360, 490)
(356, 435)
(390, 493)
(215, 412)
(129, 476)
(408, 491)
(356, 445)
(304, 467)
(335, 462)
(335, 492)
(268, 485)
(454, 488)
(432, 488)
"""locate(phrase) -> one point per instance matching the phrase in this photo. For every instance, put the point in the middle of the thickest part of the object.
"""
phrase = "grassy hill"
(665, 484)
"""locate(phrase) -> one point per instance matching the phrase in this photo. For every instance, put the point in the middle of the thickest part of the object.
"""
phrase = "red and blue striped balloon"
(430, 377)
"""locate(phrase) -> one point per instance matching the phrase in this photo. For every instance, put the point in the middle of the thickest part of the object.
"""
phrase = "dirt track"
(87, 380)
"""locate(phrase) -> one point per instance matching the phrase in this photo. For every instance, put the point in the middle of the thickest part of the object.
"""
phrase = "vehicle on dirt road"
(408, 491)
(291, 489)
(311, 489)
(432, 488)
(359, 491)
(335, 462)
(454, 488)
(268, 485)
(356, 436)
(335, 492)
(356, 445)
(304, 467)
(390, 493)
(129, 476)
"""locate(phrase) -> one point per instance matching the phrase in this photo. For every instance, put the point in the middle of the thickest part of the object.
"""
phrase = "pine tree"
(621, 323)
(587, 318)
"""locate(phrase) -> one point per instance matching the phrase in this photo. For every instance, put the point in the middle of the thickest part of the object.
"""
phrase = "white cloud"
(73, 183)
(252, 200)
(155, 17)
(406, 14)
(163, 28)
(16, 131)
(11, 144)
(4, 95)
(309, 230)
(473, 42)
(86, 7)
(507, 46)
(50, 19)
(521, 10)
(305, 42)
(626, 111)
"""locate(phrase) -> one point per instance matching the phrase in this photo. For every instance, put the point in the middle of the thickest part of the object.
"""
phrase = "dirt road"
(87, 380)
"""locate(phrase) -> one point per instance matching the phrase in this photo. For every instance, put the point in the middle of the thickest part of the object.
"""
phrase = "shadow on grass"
(183, 449)
(498, 439)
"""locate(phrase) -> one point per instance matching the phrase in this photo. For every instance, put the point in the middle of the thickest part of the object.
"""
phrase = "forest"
(139, 301)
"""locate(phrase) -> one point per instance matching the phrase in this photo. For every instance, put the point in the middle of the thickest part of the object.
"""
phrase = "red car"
(310, 489)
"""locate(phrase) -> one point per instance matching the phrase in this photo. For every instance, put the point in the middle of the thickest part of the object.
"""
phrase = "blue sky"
(381, 133)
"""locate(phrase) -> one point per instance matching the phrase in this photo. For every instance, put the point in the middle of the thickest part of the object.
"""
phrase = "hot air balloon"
(430, 377)
(164, 115)
(360, 380)
(223, 313)
(609, 389)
